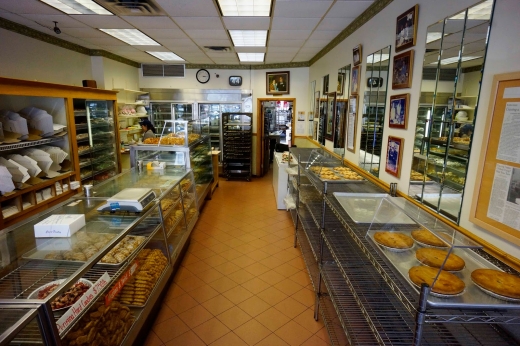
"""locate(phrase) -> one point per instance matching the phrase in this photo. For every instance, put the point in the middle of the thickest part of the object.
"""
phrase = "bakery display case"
(365, 295)
(104, 280)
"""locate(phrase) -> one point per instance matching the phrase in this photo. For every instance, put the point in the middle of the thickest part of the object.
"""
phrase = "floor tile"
(272, 262)
(223, 284)
(190, 283)
(258, 255)
(218, 305)
(288, 287)
(243, 261)
(227, 268)
(170, 329)
(323, 334)
(210, 275)
(173, 292)
(290, 307)
(203, 293)
(152, 340)
(256, 269)
(195, 316)
(215, 260)
(305, 296)
(286, 270)
(164, 313)
(254, 306)
(181, 303)
(231, 254)
(241, 276)
(198, 267)
(252, 332)
(230, 339)
(211, 330)
(202, 253)
(256, 285)
(237, 294)
(272, 296)
(234, 317)
(272, 277)
(307, 321)
(272, 319)
(272, 340)
(293, 334)
(315, 341)
(188, 338)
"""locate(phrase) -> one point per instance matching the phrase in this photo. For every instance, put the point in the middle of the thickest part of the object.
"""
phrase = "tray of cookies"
(336, 174)
(138, 288)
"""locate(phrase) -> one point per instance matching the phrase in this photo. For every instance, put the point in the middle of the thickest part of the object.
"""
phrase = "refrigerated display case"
(162, 111)
(96, 140)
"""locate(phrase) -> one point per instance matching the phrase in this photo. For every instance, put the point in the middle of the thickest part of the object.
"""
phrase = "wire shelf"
(308, 257)
(5, 147)
(332, 323)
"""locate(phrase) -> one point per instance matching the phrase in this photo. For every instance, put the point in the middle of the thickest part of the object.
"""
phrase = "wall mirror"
(452, 70)
(374, 101)
(341, 110)
(329, 118)
(312, 107)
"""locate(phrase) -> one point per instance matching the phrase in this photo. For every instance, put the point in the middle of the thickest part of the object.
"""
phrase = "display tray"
(421, 182)
(340, 178)
(472, 296)
(361, 208)
(34, 294)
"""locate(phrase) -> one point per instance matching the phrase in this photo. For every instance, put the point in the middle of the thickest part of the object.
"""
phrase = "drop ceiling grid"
(298, 29)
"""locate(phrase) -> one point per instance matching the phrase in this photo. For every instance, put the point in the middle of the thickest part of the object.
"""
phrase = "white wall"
(503, 56)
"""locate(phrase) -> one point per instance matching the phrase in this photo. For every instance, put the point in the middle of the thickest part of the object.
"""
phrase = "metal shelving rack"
(238, 145)
(373, 304)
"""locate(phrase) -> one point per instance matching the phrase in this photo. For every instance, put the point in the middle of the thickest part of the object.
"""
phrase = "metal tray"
(340, 180)
(361, 207)
(34, 294)
(472, 297)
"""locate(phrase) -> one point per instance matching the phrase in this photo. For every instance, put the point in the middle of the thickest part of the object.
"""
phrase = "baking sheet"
(361, 207)
(472, 295)
(341, 179)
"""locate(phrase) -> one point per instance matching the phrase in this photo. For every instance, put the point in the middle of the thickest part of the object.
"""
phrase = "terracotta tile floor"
(241, 282)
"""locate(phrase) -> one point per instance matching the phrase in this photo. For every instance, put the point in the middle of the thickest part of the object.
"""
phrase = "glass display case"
(111, 251)
(159, 112)
(96, 140)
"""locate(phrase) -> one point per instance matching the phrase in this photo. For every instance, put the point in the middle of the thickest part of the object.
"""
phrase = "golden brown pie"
(447, 283)
(498, 282)
(435, 258)
(426, 237)
(394, 240)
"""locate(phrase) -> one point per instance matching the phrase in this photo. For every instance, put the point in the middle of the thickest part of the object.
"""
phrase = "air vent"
(132, 7)
(221, 49)
(154, 70)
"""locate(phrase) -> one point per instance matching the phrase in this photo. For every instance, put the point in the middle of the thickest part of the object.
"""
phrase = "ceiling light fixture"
(251, 57)
(249, 38)
(455, 59)
(133, 37)
(77, 6)
(245, 8)
(166, 56)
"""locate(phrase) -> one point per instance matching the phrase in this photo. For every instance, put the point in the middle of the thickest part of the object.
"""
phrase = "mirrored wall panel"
(373, 116)
(341, 109)
(452, 70)
(312, 107)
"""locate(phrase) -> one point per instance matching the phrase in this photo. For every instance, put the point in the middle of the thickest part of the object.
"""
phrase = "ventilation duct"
(155, 70)
(132, 7)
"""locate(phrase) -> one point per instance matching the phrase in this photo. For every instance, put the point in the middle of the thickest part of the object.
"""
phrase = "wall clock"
(202, 76)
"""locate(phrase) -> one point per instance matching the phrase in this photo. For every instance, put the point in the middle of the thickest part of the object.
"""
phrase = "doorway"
(275, 125)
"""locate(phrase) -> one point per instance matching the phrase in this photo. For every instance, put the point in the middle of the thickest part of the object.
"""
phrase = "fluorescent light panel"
(455, 59)
(249, 38)
(77, 6)
(251, 57)
(131, 36)
(245, 8)
(166, 56)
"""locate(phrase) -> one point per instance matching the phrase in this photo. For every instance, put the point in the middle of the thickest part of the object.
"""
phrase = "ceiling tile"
(152, 48)
(105, 41)
(334, 24)
(285, 43)
(187, 50)
(301, 9)
(201, 60)
(208, 34)
(220, 55)
(80, 42)
(164, 33)
(324, 35)
(103, 22)
(303, 57)
(294, 23)
(64, 21)
(247, 23)
(199, 23)
(122, 49)
(28, 6)
(84, 32)
(250, 49)
(316, 43)
(24, 21)
(177, 42)
(189, 8)
(309, 50)
(348, 9)
(226, 61)
(151, 22)
(212, 42)
(290, 34)
(292, 50)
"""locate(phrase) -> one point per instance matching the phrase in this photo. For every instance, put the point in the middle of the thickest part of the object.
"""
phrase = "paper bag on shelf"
(38, 119)
(13, 122)
(18, 172)
(30, 164)
(6, 180)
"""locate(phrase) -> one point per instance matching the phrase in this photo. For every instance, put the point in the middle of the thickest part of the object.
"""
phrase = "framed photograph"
(399, 111)
(403, 67)
(277, 83)
(356, 55)
(329, 117)
(316, 104)
(351, 124)
(394, 154)
(354, 87)
(341, 84)
(325, 84)
(340, 123)
(406, 29)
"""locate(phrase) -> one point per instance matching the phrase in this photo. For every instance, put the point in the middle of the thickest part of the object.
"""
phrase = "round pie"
(394, 240)
(498, 282)
(426, 237)
(447, 283)
(435, 258)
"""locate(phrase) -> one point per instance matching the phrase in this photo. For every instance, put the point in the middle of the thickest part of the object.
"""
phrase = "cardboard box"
(63, 225)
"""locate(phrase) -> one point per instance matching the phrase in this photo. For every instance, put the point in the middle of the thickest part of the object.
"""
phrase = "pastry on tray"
(447, 283)
(394, 240)
(435, 258)
(426, 237)
(498, 282)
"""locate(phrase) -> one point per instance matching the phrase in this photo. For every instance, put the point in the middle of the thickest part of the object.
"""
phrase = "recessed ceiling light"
(455, 59)
(252, 57)
(131, 36)
(77, 6)
(247, 8)
(166, 56)
(249, 38)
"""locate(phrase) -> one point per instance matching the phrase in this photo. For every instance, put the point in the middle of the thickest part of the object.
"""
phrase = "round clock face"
(203, 76)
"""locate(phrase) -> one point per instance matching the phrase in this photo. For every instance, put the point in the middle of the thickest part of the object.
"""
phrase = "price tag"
(121, 283)
(114, 206)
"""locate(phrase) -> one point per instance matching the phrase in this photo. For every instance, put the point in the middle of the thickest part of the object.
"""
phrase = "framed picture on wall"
(341, 84)
(406, 29)
(403, 67)
(399, 111)
(329, 118)
(316, 104)
(355, 80)
(340, 121)
(356, 55)
(351, 124)
(325, 84)
(277, 83)
(394, 154)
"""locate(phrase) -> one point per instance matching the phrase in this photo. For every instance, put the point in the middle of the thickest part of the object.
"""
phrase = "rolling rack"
(361, 297)
(238, 146)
